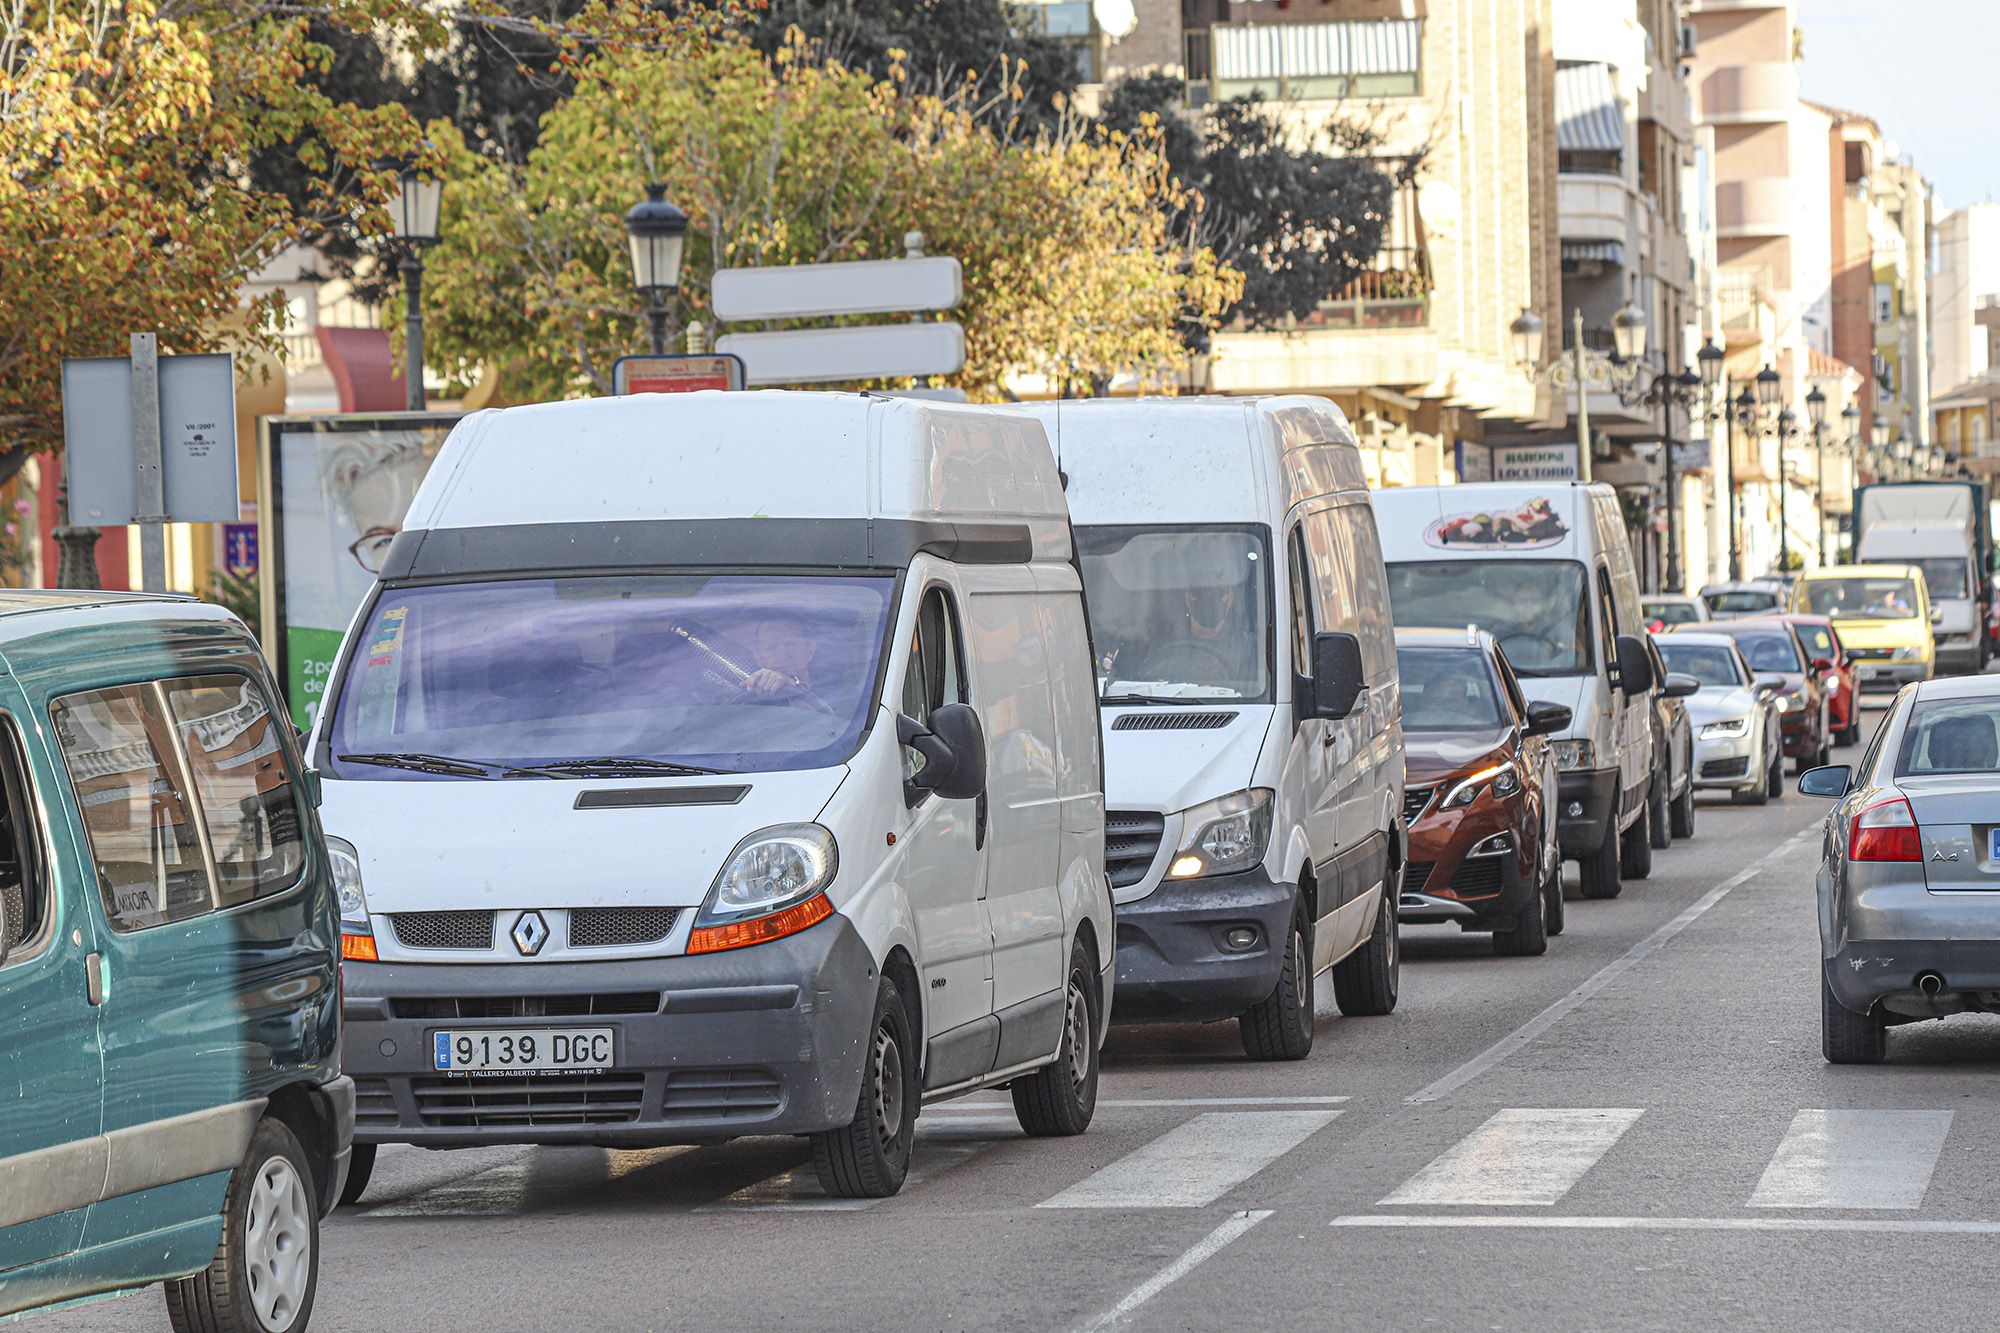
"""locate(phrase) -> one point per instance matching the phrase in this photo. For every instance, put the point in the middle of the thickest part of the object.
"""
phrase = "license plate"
(1993, 844)
(521, 1050)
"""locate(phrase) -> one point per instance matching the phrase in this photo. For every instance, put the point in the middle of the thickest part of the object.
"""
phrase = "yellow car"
(1882, 614)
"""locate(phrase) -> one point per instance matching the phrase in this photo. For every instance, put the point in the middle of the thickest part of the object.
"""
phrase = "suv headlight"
(1575, 754)
(772, 885)
(1505, 783)
(357, 936)
(1224, 835)
(1735, 726)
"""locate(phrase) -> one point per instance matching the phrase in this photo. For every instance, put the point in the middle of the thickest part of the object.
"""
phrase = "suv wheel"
(266, 1269)
(1682, 814)
(1059, 1098)
(1635, 850)
(868, 1157)
(1528, 937)
(1848, 1038)
(1552, 894)
(1658, 827)
(1600, 869)
(1280, 1026)
(1365, 982)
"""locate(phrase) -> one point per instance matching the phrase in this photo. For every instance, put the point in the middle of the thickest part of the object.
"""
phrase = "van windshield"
(610, 676)
(1179, 612)
(1535, 608)
(1862, 598)
(1944, 576)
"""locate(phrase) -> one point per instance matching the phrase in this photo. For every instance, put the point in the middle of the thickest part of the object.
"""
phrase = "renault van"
(715, 764)
(1547, 570)
(173, 1107)
(1247, 669)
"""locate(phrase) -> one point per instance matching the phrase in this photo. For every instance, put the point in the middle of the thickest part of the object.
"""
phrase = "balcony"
(1393, 292)
(1751, 208)
(1761, 93)
(1749, 315)
(1304, 61)
(1594, 208)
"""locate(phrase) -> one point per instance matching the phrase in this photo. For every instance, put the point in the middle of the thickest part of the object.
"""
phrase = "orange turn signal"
(757, 930)
(360, 948)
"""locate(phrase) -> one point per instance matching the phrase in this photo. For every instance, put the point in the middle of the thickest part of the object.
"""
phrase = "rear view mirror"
(1635, 666)
(1679, 685)
(1546, 719)
(1337, 677)
(953, 747)
(1832, 781)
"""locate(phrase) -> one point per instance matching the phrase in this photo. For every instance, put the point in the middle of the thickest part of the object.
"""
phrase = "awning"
(1604, 252)
(1316, 50)
(1588, 116)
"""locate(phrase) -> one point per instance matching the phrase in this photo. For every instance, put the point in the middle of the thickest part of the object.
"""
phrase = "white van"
(716, 764)
(1547, 570)
(1247, 669)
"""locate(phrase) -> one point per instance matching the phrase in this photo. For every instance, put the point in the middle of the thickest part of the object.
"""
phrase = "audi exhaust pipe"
(1930, 983)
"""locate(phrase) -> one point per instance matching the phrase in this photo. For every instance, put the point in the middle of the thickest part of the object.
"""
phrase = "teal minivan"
(171, 1102)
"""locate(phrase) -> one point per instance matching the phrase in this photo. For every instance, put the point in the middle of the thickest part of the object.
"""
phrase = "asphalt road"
(1635, 1131)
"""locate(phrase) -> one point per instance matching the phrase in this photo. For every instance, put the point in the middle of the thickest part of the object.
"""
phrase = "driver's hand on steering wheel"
(767, 682)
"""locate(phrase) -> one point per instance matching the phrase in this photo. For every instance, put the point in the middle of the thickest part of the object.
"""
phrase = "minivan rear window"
(1535, 608)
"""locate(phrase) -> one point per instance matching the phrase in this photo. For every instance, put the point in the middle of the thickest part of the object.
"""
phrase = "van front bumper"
(1173, 962)
(1586, 808)
(763, 1040)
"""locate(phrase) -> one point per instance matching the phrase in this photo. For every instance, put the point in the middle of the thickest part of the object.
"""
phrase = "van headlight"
(1224, 835)
(1912, 653)
(357, 936)
(1503, 777)
(772, 885)
(1574, 754)
(1727, 728)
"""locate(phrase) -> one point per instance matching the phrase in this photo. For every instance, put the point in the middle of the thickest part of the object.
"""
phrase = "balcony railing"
(1304, 61)
(1393, 292)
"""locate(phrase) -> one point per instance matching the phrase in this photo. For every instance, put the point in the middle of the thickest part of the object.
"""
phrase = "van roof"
(1882, 571)
(765, 454)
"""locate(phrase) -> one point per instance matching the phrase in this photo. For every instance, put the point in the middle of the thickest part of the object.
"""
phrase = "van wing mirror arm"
(936, 754)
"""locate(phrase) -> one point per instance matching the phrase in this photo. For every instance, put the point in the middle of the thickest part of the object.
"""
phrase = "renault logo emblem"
(530, 933)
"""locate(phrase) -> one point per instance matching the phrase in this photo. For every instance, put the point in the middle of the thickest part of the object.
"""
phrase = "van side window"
(24, 884)
(1304, 621)
(1607, 616)
(937, 665)
(248, 800)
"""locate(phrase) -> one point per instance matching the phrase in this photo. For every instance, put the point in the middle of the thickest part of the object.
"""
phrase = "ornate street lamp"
(1769, 384)
(1528, 333)
(1816, 409)
(1628, 332)
(1746, 417)
(657, 231)
(1788, 426)
(413, 218)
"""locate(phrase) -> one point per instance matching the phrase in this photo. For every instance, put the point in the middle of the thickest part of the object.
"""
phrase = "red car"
(1823, 644)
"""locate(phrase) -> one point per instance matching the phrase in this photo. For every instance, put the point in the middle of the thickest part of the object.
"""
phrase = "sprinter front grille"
(524, 1006)
(443, 930)
(539, 1100)
(1131, 844)
(620, 927)
(1174, 721)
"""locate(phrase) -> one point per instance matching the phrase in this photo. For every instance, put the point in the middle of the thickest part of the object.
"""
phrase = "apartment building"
(1965, 337)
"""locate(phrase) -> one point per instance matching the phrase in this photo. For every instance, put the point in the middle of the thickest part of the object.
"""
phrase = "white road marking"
(1854, 1159)
(1448, 1221)
(1520, 1157)
(1603, 977)
(1196, 1162)
(1178, 1269)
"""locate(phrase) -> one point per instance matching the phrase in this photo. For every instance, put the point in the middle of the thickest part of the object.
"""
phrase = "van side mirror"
(310, 780)
(1337, 676)
(1831, 781)
(1635, 665)
(1937, 615)
(953, 747)
(1679, 685)
(1546, 719)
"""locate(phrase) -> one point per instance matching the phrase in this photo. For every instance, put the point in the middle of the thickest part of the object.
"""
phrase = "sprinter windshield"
(610, 676)
(1535, 608)
(1179, 612)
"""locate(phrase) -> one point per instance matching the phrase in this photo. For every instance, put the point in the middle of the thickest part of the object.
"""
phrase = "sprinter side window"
(1303, 620)
(24, 881)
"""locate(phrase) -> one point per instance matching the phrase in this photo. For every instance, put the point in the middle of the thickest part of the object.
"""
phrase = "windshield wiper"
(424, 763)
(612, 766)
(1160, 699)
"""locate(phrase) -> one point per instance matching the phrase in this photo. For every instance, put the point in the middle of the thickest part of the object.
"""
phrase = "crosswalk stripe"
(1854, 1159)
(1520, 1157)
(1196, 1162)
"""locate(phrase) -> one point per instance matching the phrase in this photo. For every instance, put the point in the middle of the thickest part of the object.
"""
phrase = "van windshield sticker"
(1532, 525)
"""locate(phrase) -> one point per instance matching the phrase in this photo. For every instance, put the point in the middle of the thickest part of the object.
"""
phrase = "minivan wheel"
(1600, 868)
(1280, 1026)
(1659, 830)
(266, 1269)
(1528, 937)
(1058, 1099)
(1635, 850)
(868, 1157)
(1365, 982)
(360, 1167)
(1848, 1038)
(1682, 814)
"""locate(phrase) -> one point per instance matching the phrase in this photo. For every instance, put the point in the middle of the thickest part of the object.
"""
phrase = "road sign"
(870, 352)
(812, 291)
(196, 437)
(676, 374)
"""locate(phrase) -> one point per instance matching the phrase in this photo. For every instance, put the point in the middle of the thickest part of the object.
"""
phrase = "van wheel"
(1600, 868)
(1552, 895)
(1659, 831)
(1365, 982)
(1635, 852)
(1528, 937)
(1280, 1026)
(1848, 1038)
(1682, 813)
(1059, 1098)
(868, 1157)
(360, 1167)
(266, 1269)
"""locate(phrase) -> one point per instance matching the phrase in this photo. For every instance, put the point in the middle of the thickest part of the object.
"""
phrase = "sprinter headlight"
(1503, 777)
(1223, 836)
(1572, 755)
(1735, 726)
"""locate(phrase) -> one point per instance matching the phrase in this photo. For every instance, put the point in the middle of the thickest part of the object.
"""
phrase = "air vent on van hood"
(1175, 721)
(627, 798)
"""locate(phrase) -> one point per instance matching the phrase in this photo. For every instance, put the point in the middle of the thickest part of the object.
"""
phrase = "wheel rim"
(1301, 996)
(889, 1085)
(1076, 1036)
(277, 1244)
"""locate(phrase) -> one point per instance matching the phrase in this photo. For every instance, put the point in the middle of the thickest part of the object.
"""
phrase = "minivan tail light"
(1885, 831)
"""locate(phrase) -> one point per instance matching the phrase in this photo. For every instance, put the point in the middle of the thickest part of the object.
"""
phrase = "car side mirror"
(1546, 719)
(1832, 781)
(1337, 675)
(1635, 666)
(1679, 685)
(1937, 615)
(953, 747)
(1822, 664)
(1769, 684)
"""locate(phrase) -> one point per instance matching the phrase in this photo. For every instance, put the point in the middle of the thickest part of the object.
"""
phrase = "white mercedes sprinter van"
(1254, 745)
(1547, 570)
(715, 764)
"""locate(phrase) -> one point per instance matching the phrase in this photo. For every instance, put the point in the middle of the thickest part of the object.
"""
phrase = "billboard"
(339, 488)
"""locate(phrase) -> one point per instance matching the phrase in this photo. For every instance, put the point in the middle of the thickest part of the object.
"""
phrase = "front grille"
(374, 1104)
(722, 1094)
(1726, 768)
(525, 1006)
(538, 1100)
(444, 930)
(1172, 721)
(1417, 874)
(1478, 875)
(613, 927)
(1131, 842)
(1414, 801)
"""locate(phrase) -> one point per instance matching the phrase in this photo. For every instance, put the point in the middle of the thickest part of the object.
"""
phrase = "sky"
(1927, 71)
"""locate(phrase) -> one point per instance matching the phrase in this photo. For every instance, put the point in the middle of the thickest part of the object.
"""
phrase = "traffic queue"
(797, 762)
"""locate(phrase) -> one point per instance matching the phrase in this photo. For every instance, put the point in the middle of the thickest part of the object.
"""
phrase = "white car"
(1738, 743)
(1669, 610)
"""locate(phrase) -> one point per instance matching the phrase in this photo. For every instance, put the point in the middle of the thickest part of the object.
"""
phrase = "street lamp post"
(1816, 410)
(1787, 427)
(657, 231)
(414, 214)
(1710, 359)
(1745, 418)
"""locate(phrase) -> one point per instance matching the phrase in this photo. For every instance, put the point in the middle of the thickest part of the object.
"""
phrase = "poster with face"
(340, 486)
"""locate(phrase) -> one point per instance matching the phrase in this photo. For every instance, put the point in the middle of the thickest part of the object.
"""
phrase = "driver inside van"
(1211, 647)
(783, 652)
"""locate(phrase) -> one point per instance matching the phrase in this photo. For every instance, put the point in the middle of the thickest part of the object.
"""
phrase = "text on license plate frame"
(536, 1050)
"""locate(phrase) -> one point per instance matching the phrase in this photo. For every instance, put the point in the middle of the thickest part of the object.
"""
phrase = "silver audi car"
(1909, 890)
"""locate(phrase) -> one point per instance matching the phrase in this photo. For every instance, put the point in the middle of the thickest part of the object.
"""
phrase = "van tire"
(1366, 981)
(360, 1167)
(868, 1157)
(1848, 1038)
(1528, 937)
(1552, 892)
(1682, 814)
(1635, 849)
(269, 1216)
(1600, 869)
(1659, 825)
(1280, 1026)
(1058, 1099)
